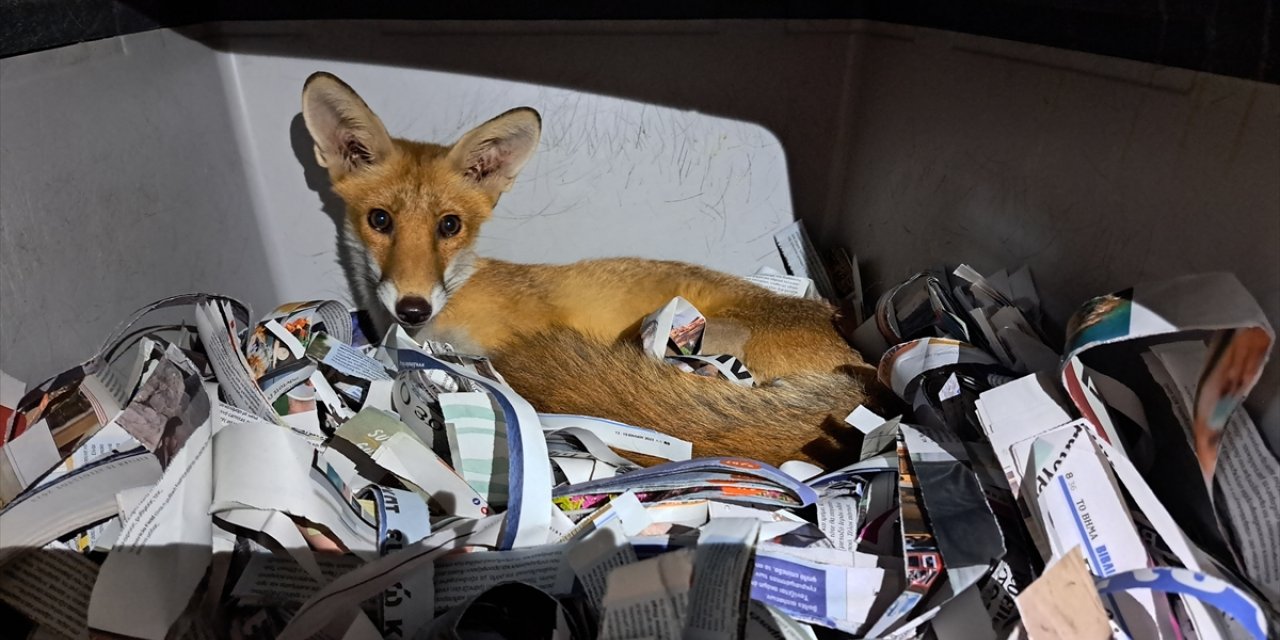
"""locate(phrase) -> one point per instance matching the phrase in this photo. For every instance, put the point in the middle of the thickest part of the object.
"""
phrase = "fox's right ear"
(347, 134)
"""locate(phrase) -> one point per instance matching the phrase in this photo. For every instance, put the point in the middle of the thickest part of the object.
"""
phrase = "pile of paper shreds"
(218, 476)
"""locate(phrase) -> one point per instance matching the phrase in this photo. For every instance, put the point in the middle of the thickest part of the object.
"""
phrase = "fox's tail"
(795, 417)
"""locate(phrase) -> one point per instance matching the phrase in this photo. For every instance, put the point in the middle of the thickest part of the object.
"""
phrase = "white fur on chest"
(458, 337)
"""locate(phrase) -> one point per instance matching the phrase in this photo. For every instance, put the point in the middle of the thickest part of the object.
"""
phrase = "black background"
(1230, 37)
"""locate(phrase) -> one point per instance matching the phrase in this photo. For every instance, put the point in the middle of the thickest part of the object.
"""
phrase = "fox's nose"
(413, 310)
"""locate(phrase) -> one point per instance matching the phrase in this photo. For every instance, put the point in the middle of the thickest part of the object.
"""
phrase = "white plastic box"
(168, 161)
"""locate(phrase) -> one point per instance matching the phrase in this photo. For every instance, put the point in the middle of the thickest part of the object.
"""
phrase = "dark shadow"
(66, 579)
(1232, 38)
(316, 176)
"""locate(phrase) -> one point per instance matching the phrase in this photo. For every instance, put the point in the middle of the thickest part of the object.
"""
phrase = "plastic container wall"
(146, 165)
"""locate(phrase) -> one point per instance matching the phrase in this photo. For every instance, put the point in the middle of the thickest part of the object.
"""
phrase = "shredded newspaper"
(284, 477)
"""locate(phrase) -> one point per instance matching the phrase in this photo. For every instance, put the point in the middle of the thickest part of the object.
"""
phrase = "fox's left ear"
(493, 153)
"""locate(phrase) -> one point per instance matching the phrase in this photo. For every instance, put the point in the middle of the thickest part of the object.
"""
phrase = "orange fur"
(566, 336)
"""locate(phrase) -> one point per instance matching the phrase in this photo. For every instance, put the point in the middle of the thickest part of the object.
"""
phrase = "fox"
(565, 337)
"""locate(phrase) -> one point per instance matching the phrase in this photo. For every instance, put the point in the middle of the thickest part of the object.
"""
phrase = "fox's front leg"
(788, 336)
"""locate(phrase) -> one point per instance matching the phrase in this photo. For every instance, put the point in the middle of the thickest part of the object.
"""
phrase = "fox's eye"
(380, 220)
(450, 225)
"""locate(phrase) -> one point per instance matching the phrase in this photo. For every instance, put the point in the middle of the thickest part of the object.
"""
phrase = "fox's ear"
(493, 153)
(347, 134)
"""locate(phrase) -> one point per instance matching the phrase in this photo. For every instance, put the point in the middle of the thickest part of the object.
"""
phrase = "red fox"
(566, 336)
